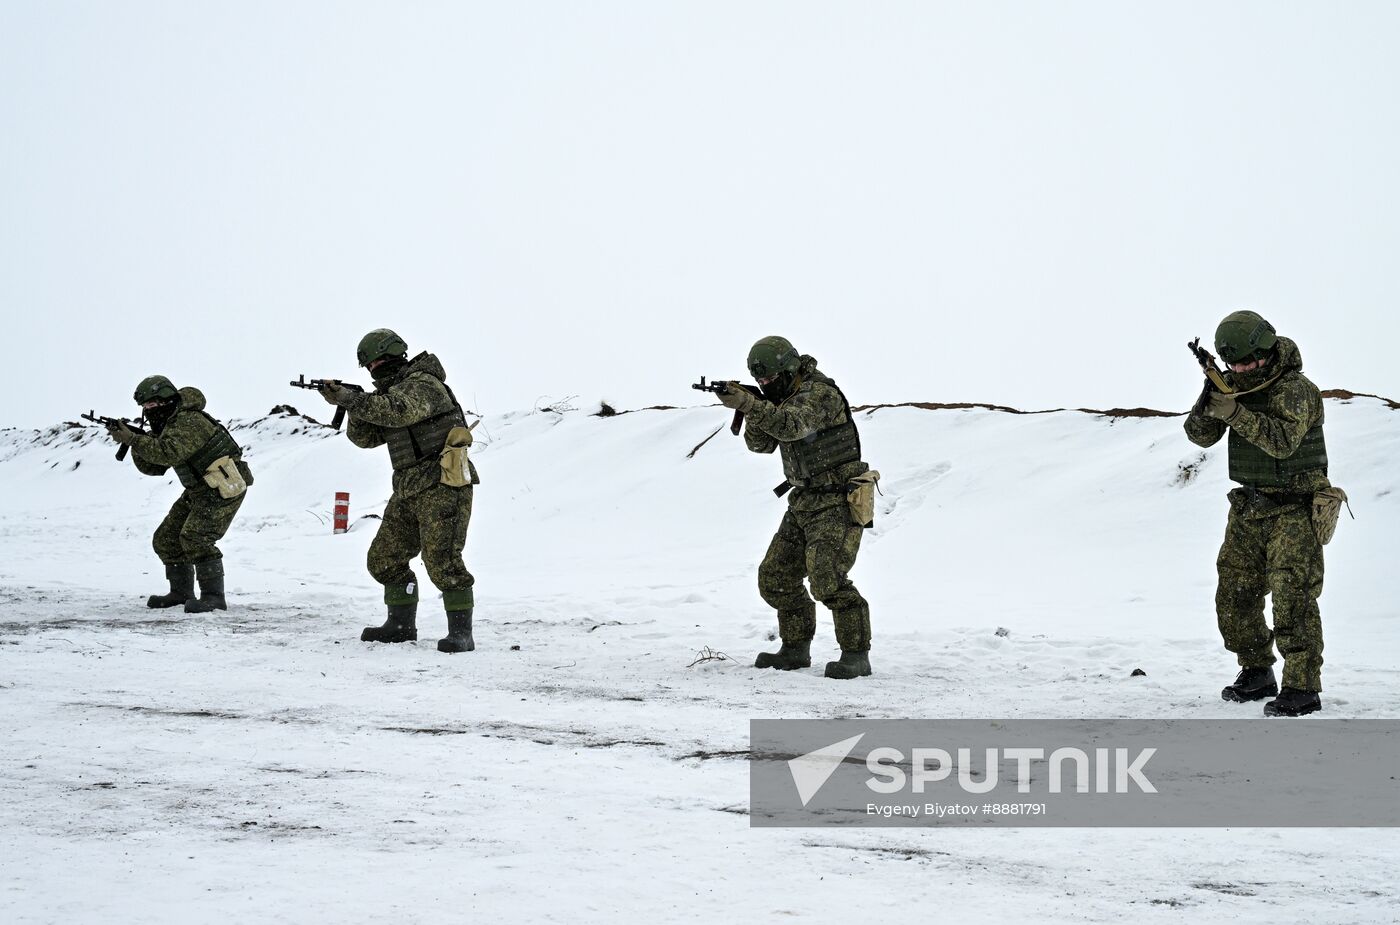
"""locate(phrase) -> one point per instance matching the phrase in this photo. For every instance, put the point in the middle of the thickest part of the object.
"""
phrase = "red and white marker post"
(342, 512)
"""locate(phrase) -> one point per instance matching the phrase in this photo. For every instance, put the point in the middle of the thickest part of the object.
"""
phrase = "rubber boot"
(459, 632)
(211, 587)
(790, 655)
(181, 587)
(400, 626)
(853, 664)
(1293, 702)
(1252, 684)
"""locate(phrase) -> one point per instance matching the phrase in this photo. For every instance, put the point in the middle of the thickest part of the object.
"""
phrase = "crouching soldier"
(804, 416)
(1280, 516)
(210, 466)
(414, 412)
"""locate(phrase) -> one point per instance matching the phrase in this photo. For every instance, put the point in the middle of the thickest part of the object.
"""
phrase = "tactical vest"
(819, 453)
(220, 444)
(1249, 465)
(411, 445)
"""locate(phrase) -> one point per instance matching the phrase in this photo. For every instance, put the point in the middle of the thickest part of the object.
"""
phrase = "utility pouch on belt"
(223, 474)
(860, 498)
(1326, 511)
(456, 470)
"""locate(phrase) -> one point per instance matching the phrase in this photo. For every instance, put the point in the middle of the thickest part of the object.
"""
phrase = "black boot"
(400, 626)
(459, 632)
(181, 587)
(1293, 702)
(1252, 684)
(211, 587)
(790, 655)
(853, 664)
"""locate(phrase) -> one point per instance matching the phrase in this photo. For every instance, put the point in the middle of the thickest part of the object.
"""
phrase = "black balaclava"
(161, 414)
(389, 369)
(781, 387)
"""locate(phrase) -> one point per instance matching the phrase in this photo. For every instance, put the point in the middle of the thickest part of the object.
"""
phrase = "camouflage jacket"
(416, 394)
(814, 406)
(1286, 410)
(184, 435)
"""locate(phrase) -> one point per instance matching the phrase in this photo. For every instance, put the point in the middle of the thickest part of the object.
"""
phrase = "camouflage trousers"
(433, 522)
(1271, 549)
(821, 547)
(196, 522)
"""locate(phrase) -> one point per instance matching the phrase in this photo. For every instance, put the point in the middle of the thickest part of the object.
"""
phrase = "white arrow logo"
(812, 770)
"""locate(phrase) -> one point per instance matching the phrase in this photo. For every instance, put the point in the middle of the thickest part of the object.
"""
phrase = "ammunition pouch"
(224, 476)
(860, 498)
(1326, 511)
(457, 470)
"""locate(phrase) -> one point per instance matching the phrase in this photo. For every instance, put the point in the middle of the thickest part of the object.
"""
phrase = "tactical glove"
(122, 434)
(335, 393)
(737, 398)
(1203, 399)
(1222, 407)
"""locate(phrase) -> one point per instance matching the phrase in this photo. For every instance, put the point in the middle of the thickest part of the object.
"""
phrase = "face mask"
(388, 369)
(160, 415)
(778, 388)
(1255, 377)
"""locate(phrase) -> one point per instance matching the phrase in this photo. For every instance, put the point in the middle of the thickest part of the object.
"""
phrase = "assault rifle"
(302, 382)
(721, 388)
(1207, 361)
(134, 424)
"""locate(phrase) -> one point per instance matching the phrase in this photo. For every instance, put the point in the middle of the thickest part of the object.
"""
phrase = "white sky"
(1034, 204)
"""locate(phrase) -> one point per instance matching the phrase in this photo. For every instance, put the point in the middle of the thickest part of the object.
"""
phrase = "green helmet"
(772, 356)
(155, 388)
(378, 344)
(1242, 335)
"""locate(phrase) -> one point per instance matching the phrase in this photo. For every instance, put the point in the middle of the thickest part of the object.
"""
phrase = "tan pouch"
(860, 498)
(457, 470)
(223, 474)
(1326, 511)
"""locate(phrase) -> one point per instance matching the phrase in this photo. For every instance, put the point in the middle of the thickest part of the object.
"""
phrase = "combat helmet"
(379, 344)
(773, 356)
(155, 388)
(774, 363)
(1243, 336)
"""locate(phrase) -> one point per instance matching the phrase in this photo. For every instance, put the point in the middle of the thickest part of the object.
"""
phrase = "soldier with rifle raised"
(209, 464)
(415, 414)
(1281, 515)
(799, 412)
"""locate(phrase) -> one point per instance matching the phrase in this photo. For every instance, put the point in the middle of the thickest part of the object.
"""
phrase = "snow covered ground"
(262, 763)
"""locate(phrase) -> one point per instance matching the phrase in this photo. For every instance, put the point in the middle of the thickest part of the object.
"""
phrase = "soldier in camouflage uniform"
(210, 466)
(805, 417)
(414, 412)
(1278, 456)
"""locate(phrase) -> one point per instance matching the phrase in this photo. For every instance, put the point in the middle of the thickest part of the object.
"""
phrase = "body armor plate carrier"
(819, 453)
(1249, 465)
(220, 444)
(409, 446)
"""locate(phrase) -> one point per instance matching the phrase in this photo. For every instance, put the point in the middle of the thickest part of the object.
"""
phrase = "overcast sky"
(1034, 204)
